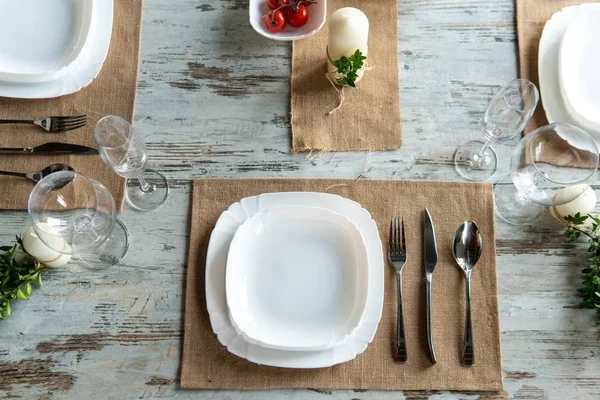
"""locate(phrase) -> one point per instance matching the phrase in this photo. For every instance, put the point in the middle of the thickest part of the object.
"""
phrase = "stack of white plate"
(295, 279)
(568, 67)
(50, 48)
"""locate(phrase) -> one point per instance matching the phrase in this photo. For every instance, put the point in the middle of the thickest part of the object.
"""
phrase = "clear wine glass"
(76, 215)
(505, 118)
(122, 148)
(546, 161)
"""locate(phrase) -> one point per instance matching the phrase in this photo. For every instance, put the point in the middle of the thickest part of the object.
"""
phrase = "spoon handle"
(401, 355)
(429, 333)
(468, 352)
(21, 174)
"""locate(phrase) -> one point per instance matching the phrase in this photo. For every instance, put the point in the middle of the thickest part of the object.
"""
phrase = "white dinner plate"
(216, 261)
(297, 279)
(79, 74)
(579, 61)
(39, 39)
(317, 13)
(548, 67)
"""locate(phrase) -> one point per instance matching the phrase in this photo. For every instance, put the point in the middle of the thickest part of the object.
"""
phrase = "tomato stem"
(294, 4)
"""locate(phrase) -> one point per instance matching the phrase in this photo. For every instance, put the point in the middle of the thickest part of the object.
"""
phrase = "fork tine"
(70, 118)
(403, 241)
(71, 122)
(398, 248)
(71, 127)
(391, 239)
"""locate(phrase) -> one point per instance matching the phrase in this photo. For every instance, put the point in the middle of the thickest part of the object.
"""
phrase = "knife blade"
(51, 148)
(430, 257)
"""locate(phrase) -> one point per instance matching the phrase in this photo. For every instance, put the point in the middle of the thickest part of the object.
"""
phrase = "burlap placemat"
(112, 92)
(531, 18)
(369, 118)
(206, 364)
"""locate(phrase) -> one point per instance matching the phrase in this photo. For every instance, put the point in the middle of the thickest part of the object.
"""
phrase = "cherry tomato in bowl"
(275, 21)
(297, 16)
(273, 4)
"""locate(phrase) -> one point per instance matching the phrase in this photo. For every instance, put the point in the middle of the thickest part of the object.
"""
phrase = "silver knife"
(51, 148)
(431, 257)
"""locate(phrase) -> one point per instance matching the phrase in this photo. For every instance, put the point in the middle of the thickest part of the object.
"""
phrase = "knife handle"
(16, 149)
(429, 335)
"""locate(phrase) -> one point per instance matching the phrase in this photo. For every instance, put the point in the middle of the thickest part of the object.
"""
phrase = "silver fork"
(397, 257)
(52, 124)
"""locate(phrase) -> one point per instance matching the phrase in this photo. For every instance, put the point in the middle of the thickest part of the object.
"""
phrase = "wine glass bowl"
(545, 163)
(505, 118)
(75, 215)
(124, 151)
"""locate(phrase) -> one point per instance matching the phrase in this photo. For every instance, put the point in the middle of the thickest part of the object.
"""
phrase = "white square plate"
(82, 71)
(297, 278)
(317, 13)
(216, 262)
(39, 39)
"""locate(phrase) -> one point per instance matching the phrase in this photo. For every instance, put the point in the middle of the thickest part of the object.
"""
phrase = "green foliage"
(347, 68)
(590, 290)
(18, 270)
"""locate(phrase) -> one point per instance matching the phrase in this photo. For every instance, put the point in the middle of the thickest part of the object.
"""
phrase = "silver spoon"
(467, 250)
(37, 176)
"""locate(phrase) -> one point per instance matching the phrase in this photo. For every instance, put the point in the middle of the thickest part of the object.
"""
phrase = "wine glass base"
(513, 207)
(147, 200)
(473, 164)
(111, 251)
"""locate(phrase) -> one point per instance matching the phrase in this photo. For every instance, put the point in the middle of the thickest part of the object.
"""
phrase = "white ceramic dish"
(79, 74)
(548, 68)
(579, 60)
(216, 261)
(39, 39)
(297, 279)
(317, 13)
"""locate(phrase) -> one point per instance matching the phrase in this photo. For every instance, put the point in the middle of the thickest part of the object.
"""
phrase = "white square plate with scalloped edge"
(216, 265)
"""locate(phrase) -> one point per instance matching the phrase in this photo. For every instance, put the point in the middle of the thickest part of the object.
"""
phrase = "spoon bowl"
(467, 246)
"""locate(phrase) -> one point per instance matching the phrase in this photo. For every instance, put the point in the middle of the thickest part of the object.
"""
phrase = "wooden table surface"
(213, 101)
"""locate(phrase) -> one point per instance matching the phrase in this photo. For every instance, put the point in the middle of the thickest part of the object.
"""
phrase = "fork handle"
(400, 355)
(429, 333)
(15, 121)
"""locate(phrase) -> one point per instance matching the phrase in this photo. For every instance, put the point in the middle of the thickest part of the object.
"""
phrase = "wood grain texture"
(213, 100)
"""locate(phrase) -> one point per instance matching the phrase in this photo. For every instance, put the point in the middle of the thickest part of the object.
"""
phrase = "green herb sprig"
(17, 272)
(348, 67)
(590, 291)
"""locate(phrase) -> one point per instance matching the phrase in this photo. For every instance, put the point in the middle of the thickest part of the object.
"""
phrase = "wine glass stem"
(144, 185)
(484, 148)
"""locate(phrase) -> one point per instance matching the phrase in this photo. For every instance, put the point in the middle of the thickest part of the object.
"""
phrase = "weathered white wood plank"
(213, 101)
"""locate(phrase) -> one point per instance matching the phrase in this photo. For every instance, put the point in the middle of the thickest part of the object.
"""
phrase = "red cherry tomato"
(275, 21)
(273, 4)
(297, 16)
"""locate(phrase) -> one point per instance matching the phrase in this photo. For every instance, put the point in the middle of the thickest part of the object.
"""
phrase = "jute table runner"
(112, 92)
(206, 364)
(369, 118)
(531, 18)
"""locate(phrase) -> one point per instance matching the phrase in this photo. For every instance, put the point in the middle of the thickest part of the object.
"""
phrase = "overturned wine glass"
(122, 148)
(505, 118)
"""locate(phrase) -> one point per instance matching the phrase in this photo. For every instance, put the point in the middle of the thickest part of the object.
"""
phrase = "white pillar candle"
(348, 32)
(44, 254)
(583, 204)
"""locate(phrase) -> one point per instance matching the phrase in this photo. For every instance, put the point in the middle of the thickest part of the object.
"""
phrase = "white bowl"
(317, 14)
(579, 60)
(297, 279)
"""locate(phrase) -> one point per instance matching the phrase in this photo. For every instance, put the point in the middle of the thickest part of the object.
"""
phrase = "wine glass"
(122, 148)
(504, 120)
(544, 164)
(76, 215)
